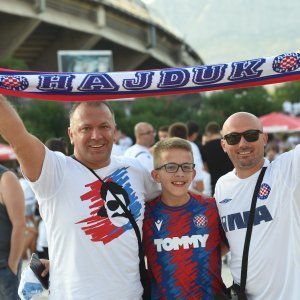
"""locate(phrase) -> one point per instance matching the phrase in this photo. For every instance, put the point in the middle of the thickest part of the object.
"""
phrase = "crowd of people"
(93, 244)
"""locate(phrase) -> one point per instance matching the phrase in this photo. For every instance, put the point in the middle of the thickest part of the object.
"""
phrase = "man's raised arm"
(29, 150)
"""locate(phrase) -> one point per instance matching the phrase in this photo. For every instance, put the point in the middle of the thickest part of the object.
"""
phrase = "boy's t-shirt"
(183, 249)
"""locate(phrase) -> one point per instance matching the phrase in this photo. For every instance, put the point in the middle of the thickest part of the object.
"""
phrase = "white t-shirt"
(274, 255)
(29, 196)
(198, 166)
(41, 241)
(92, 255)
(142, 154)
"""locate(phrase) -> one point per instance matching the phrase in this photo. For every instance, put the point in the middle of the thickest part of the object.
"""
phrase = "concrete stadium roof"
(34, 30)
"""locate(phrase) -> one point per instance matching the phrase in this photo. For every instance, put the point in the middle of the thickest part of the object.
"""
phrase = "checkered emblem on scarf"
(286, 62)
(16, 83)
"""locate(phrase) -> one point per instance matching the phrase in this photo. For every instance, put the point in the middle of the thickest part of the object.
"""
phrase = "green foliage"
(156, 111)
(289, 91)
(45, 119)
(221, 105)
(216, 106)
(13, 64)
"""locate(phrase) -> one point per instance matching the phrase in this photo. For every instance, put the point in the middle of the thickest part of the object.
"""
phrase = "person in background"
(92, 256)
(271, 151)
(12, 233)
(57, 144)
(182, 234)
(180, 130)
(144, 135)
(117, 149)
(215, 161)
(162, 132)
(30, 217)
(193, 130)
(123, 140)
(276, 228)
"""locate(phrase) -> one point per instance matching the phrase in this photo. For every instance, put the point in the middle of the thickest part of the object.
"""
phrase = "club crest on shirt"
(264, 191)
(200, 221)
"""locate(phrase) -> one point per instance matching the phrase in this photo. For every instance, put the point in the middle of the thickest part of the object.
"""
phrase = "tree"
(157, 111)
(224, 103)
(14, 64)
(289, 91)
(45, 119)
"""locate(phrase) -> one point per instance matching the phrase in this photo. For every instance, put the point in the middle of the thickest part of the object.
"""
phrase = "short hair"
(169, 144)
(212, 128)
(91, 104)
(163, 128)
(139, 128)
(192, 127)
(57, 144)
(178, 129)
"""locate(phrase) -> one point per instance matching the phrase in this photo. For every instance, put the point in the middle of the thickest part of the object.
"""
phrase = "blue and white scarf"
(119, 85)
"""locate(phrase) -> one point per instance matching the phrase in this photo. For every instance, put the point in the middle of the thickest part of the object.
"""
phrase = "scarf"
(146, 83)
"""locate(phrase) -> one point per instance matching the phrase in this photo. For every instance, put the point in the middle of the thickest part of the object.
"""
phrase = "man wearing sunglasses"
(274, 254)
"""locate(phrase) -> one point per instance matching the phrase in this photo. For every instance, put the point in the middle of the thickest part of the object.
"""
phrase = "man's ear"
(223, 145)
(194, 173)
(70, 134)
(155, 176)
(265, 138)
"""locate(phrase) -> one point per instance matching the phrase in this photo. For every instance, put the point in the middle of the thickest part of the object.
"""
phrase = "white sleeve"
(51, 176)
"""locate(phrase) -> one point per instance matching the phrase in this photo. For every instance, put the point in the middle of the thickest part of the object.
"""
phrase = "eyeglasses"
(148, 132)
(235, 137)
(173, 167)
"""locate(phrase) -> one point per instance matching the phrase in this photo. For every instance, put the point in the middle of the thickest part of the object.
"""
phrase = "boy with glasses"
(276, 228)
(181, 233)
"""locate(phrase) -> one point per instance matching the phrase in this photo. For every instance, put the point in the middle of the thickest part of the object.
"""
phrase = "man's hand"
(13, 266)
(46, 264)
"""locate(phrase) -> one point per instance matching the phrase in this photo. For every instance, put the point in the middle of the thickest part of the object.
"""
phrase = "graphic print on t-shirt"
(107, 219)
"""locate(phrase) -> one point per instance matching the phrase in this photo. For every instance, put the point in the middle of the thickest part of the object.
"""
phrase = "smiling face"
(92, 132)
(247, 157)
(174, 185)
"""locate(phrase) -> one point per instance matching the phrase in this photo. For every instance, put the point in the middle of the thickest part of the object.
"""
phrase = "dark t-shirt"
(216, 159)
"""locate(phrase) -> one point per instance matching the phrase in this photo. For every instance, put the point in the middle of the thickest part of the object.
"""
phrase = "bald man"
(274, 255)
(144, 136)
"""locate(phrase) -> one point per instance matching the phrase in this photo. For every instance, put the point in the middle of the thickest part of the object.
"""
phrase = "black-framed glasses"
(249, 135)
(173, 167)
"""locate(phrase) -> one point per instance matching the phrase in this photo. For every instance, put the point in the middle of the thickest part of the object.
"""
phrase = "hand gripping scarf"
(118, 85)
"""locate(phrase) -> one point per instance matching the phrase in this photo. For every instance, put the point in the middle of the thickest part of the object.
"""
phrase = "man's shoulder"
(3, 170)
(130, 150)
(130, 163)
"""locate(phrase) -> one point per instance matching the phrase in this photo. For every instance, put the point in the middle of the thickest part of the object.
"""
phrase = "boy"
(182, 233)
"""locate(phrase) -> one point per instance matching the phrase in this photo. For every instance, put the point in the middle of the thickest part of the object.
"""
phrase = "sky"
(230, 30)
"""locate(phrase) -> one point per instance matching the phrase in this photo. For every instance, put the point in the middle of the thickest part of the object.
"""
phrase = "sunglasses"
(173, 167)
(235, 137)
